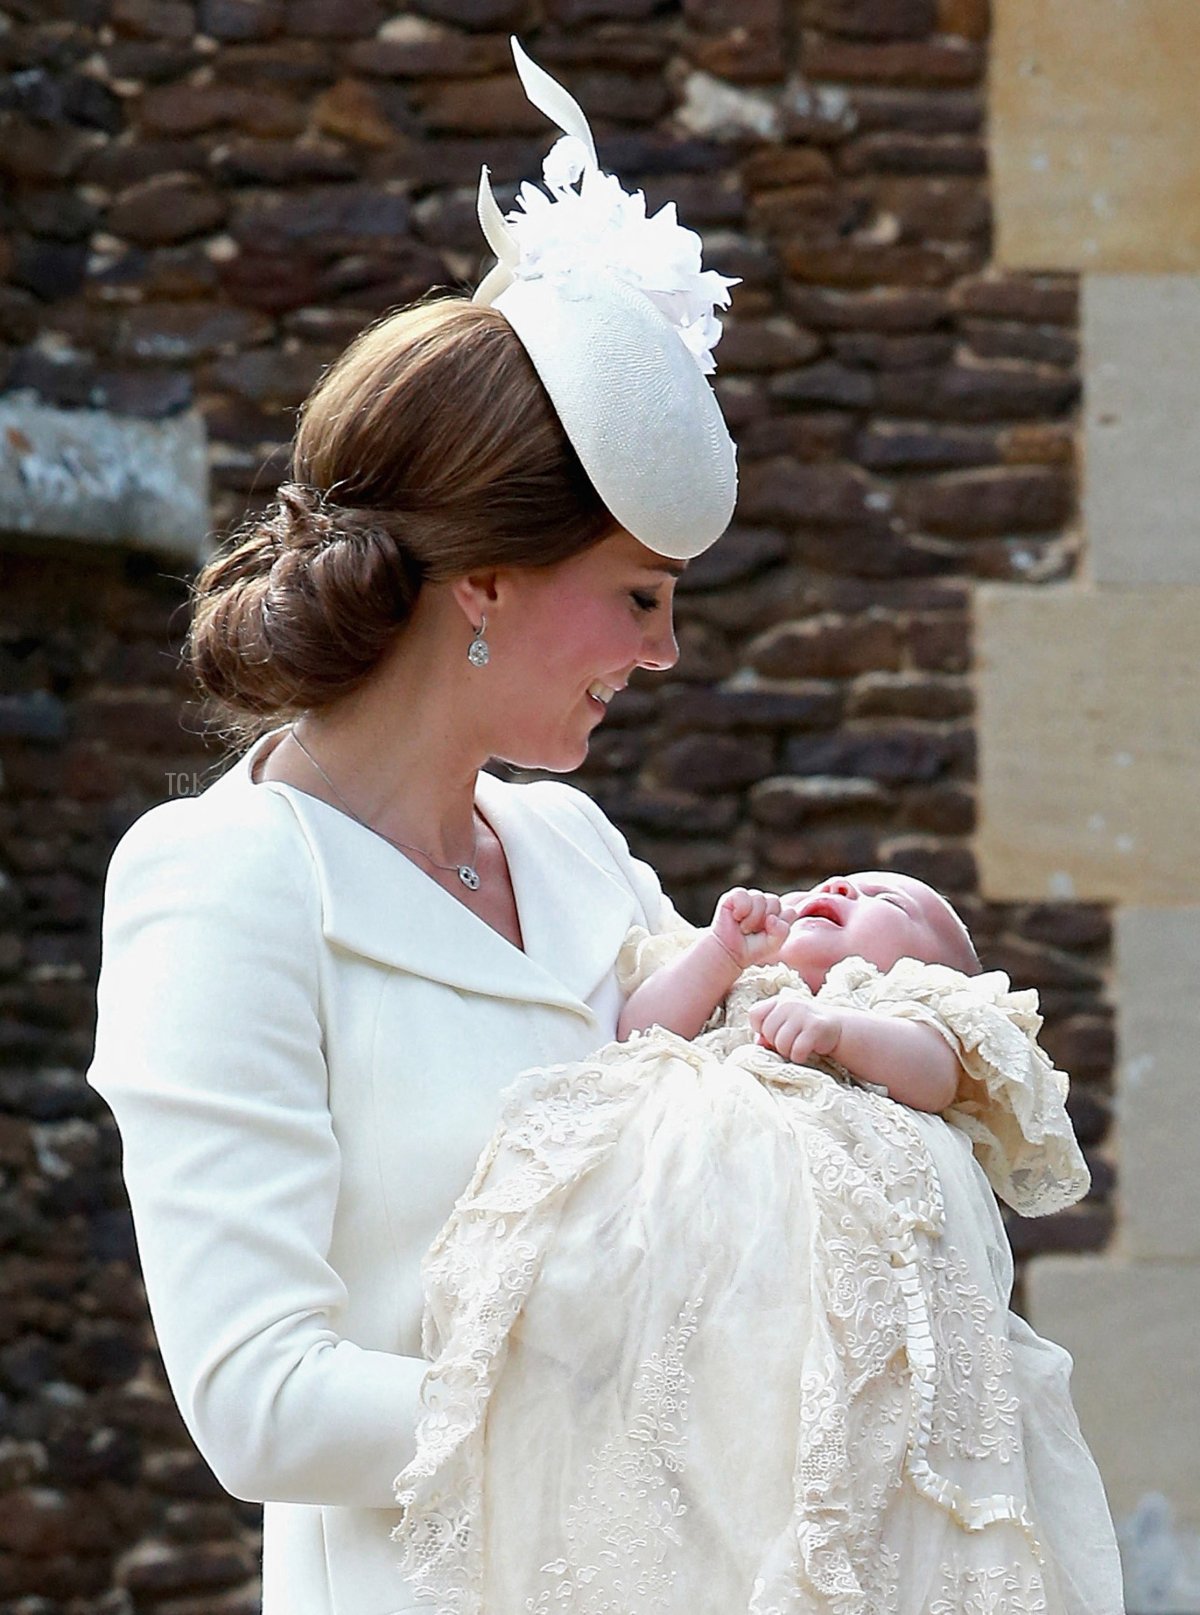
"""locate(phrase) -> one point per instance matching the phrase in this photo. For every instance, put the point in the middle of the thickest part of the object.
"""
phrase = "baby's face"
(873, 915)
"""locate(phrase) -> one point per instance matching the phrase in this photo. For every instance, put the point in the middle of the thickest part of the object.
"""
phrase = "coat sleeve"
(209, 1053)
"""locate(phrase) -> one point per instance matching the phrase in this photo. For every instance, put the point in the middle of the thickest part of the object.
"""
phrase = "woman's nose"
(661, 650)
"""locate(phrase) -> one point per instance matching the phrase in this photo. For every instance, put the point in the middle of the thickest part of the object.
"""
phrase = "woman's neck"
(397, 758)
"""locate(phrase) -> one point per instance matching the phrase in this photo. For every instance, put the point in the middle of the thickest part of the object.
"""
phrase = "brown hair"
(429, 448)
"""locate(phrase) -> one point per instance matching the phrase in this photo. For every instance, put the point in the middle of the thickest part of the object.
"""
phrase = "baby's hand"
(796, 1027)
(751, 926)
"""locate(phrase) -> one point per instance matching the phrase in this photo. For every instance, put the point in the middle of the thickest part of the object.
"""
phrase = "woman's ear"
(475, 594)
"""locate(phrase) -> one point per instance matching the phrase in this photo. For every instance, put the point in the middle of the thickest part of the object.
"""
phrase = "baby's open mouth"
(821, 908)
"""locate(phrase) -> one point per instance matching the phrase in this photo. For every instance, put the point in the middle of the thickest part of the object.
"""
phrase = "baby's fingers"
(734, 904)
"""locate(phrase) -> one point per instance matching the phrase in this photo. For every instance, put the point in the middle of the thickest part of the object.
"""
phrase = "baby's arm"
(748, 928)
(909, 1058)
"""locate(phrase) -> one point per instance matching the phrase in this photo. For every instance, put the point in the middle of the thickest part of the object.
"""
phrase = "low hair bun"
(301, 608)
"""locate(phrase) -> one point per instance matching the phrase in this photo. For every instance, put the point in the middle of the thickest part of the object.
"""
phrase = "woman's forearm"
(683, 994)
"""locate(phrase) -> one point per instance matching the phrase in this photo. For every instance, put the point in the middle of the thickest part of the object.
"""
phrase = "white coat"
(302, 1038)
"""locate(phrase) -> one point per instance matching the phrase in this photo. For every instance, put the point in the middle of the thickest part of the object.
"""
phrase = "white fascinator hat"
(616, 314)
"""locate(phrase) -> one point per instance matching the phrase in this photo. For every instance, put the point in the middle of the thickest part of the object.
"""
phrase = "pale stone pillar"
(1089, 726)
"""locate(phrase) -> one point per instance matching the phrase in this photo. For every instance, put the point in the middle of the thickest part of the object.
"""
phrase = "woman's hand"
(796, 1028)
(751, 926)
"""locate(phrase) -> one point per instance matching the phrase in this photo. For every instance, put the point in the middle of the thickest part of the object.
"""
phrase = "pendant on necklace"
(469, 877)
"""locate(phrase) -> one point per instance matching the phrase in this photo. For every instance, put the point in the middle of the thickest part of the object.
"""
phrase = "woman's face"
(566, 638)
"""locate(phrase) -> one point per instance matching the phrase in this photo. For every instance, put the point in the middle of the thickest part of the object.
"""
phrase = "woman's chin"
(546, 759)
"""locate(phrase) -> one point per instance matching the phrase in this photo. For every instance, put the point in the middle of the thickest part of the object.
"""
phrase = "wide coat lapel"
(574, 910)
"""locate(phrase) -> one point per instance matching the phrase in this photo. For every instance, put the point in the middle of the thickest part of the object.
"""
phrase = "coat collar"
(574, 911)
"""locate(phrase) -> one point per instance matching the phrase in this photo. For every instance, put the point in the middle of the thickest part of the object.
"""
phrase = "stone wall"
(205, 202)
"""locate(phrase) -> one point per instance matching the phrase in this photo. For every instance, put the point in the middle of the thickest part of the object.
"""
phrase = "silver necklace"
(467, 873)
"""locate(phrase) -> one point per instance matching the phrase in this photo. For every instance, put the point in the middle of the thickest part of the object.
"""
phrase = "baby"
(717, 1325)
(873, 915)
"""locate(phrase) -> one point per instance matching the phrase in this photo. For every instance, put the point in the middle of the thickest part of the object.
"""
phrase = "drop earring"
(478, 653)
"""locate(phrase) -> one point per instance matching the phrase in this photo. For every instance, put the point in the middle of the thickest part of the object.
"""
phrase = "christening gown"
(712, 1333)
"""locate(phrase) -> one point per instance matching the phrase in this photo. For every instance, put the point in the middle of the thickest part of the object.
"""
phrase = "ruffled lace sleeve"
(1011, 1101)
(643, 952)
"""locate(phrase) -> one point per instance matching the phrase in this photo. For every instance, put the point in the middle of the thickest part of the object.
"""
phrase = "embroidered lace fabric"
(712, 1332)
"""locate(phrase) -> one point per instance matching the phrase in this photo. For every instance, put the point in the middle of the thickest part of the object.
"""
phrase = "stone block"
(335, 217)
(826, 382)
(878, 308)
(996, 391)
(247, 161)
(874, 19)
(51, 270)
(813, 435)
(909, 695)
(191, 109)
(971, 504)
(783, 802)
(887, 446)
(176, 333)
(858, 264)
(933, 62)
(165, 209)
(350, 110)
(935, 111)
(414, 47)
(993, 340)
(827, 646)
(921, 207)
(766, 344)
(1096, 134)
(1035, 299)
(904, 153)
(874, 351)
(240, 19)
(896, 755)
(942, 809)
(1141, 497)
(154, 19)
(709, 764)
(333, 19)
(1158, 1032)
(744, 552)
(970, 18)
(813, 705)
(1089, 713)
(779, 490)
(104, 478)
(947, 867)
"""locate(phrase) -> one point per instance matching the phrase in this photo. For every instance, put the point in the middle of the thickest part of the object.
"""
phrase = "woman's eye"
(644, 602)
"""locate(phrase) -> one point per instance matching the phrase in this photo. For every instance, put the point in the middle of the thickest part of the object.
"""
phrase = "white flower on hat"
(600, 225)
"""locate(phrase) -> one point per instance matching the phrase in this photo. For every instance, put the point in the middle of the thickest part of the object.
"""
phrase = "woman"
(318, 974)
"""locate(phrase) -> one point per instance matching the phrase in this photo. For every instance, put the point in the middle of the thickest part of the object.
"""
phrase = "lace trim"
(872, 1370)
(1012, 1101)
(626, 1494)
